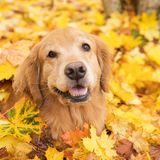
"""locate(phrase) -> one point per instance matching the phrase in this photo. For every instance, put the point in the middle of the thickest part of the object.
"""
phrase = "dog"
(67, 75)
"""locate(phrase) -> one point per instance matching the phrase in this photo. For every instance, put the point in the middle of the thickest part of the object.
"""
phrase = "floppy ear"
(27, 78)
(104, 60)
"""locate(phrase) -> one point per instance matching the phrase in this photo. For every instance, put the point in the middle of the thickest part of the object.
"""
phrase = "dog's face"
(71, 63)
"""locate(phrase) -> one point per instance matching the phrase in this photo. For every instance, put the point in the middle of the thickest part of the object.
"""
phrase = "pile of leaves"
(133, 102)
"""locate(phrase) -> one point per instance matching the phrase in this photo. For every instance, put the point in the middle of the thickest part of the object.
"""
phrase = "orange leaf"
(73, 137)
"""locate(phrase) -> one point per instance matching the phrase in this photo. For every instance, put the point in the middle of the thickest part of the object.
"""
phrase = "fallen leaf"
(6, 71)
(125, 148)
(3, 152)
(53, 154)
(73, 137)
(155, 152)
(102, 146)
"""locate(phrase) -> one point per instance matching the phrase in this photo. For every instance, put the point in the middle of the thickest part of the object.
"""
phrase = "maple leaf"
(124, 92)
(130, 42)
(114, 22)
(153, 52)
(155, 152)
(141, 156)
(10, 71)
(98, 17)
(62, 21)
(16, 53)
(152, 34)
(132, 68)
(53, 154)
(73, 137)
(3, 153)
(15, 147)
(112, 39)
(92, 156)
(81, 152)
(125, 148)
(22, 120)
(137, 118)
(139, 142)
(102, 146)
(143, 23)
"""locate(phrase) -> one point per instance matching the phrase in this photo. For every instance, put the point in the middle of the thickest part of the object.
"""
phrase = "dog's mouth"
(75, 94)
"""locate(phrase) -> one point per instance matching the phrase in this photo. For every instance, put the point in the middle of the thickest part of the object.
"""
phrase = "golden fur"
(39, 74)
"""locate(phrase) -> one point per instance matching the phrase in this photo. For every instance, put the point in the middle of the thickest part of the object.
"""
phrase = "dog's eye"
(52, 54)
(86, 47)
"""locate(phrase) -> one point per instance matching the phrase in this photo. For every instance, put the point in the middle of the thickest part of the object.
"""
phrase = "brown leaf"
(155, 152)
(68, 154)
(125, 148)
(42, 142)
(92, 156)
(3, 153)
(39, 153)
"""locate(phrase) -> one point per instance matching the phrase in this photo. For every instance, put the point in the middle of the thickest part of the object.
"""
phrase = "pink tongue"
(78, 91)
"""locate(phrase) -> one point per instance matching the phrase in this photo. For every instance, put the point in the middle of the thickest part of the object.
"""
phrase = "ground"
(133, 101)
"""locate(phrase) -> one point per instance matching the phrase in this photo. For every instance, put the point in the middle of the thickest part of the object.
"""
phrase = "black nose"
(75, 70)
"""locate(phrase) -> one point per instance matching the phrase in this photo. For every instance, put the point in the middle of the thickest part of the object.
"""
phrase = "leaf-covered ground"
(133, 102)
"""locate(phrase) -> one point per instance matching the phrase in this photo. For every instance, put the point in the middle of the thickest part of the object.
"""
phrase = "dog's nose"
(75, 70)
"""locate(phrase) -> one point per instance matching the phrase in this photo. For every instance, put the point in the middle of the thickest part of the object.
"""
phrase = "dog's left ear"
(27, 79)
(104, 60)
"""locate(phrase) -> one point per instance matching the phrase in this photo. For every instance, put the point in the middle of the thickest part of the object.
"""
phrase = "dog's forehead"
(65, 36)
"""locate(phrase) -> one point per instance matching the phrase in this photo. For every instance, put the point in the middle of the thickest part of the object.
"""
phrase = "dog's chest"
(67, 118)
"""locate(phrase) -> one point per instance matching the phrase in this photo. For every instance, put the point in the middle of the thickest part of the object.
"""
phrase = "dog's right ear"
(104, 59)
(27, 79)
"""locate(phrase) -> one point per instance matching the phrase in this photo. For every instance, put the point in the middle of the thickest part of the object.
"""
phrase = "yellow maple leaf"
(131, 69)
(138, 118)
(15, 146)
(62, 21)
(6, 71)
(147, 22)
(16, 53)
(125, 92)
(80, 152)
(153, 52)
(120, 127)
(102, 146)
(87, 27)
(114, 22)
(112, 39)
(140, 156)
(53, 154)
(98, 17)
(22, 120)
(130, 42)
(139, 142)
(152, 34)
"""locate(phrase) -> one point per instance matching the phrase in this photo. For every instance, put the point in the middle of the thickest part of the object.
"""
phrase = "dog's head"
(70, 62)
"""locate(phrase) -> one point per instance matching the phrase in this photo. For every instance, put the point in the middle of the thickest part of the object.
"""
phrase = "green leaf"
(22, 120)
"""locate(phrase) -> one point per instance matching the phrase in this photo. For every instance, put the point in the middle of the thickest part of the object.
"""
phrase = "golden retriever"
(66, 75)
